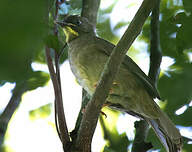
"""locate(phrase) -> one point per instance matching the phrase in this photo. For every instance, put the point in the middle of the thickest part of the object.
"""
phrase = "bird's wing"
(107, 47)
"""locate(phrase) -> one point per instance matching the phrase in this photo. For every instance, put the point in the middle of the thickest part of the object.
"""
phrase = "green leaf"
(104, 30)
(52, 41)
(119, 25)
(22, 28)
(177, 89)
(109, 9)
(185, 118)
(41, 112)
(75, 4)
(187, 5)
(114, 140)
(37, 79)
(183, 38)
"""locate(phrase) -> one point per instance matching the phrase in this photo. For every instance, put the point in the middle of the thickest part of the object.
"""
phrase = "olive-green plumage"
(132, 90)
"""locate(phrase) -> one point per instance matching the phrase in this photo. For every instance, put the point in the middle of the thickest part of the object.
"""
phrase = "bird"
(132, 90)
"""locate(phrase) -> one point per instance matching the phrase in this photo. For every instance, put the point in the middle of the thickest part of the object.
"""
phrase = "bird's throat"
(70, 33)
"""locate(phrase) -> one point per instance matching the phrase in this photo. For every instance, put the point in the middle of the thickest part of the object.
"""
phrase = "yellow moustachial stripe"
(69, 32)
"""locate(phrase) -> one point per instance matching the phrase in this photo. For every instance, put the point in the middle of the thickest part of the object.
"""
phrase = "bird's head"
(75, 26)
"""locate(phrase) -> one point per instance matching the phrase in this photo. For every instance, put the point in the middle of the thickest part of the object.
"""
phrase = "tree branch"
(10, 108)
(93, 109)
(142, 127)
(139, 144)
(155, 49)
(90, 9)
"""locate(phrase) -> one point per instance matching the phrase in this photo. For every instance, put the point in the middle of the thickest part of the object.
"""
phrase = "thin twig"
(60, 121)
(55, 16)
(93, 109)
(62, 50)
(57, 115)
(57, 107)
(58, 97)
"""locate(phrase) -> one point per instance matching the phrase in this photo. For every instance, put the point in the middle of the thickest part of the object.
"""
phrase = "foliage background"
(24, 33)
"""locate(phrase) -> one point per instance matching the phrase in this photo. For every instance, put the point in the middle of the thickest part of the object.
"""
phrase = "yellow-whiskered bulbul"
(132, 91)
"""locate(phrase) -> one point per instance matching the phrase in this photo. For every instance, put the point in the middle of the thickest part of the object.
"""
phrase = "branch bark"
(142, 127)
(90, 9)
(155, 49)
(10, 108)
(60, 120)
(58, 97)
(139, 144)
(93, 109)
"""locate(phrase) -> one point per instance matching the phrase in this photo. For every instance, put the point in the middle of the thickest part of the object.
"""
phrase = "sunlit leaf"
(41, 112)
(177, 90)
(119, 25)
(114, 140)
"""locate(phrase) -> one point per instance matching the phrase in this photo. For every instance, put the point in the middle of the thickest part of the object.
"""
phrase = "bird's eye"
(78, 22)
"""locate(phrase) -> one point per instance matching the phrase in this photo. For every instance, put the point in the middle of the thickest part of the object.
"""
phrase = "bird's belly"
(88, 67)
(85, 71)
(125, 89)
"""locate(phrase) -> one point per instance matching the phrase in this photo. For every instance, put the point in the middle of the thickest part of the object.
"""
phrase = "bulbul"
(132, 91)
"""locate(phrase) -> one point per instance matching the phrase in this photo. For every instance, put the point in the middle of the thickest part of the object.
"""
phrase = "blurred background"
(26, 92)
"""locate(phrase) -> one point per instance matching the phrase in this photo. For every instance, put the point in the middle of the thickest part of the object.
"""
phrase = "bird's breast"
(86, 64)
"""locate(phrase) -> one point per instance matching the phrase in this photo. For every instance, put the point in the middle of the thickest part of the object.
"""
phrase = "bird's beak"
(61, 23)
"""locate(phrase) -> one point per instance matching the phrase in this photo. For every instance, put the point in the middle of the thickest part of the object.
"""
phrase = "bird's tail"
(167, 132)
(164, 128)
